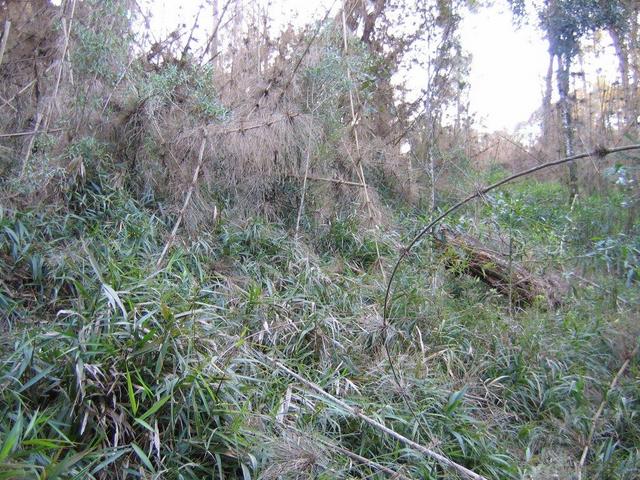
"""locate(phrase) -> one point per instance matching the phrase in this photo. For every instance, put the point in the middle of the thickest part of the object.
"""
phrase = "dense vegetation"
(178, 235)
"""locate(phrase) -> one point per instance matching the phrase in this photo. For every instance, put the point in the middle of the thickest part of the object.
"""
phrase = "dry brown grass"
(272, 116)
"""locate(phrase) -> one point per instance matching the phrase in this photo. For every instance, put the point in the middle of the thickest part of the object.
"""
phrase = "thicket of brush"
(114, 365)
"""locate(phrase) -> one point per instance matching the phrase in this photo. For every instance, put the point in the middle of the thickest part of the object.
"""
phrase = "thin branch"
(67, 30)
(115, 86)
(441, 459)
(600, 287)
(25, 88)
(304, 188)
(187, 45)
(358, 163)
(268, 123)
(29, 146)
(43, 117)
(480, 152)
(6, 102)
(187, 199)
(613, 384)
(520, 147)
(306, 50)
(395, 475)
(366, 461)
(214, 33)
(386, 310)
(21, 91)
(32, 132)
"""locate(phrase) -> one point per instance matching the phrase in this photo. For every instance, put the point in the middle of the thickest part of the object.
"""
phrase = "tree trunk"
(564, 68)
(213, 46)
(622, 52)
(547, 115)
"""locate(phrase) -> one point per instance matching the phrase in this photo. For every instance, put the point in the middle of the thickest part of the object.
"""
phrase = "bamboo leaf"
(155, 407)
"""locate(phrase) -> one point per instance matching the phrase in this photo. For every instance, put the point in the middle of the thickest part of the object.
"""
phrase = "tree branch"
(598, 152)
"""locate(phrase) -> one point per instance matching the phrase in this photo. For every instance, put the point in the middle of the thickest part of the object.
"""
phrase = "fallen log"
(464, 254)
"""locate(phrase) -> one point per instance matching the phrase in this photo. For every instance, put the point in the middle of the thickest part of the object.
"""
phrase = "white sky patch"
(507, 68)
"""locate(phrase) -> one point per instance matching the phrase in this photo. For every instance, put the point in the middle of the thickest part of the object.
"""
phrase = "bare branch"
(187, 199)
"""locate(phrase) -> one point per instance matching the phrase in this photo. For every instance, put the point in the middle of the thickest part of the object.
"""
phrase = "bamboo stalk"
(20, 92)
(395, 475)
(257, 125)
(43, 117)
(120, 78)
(366, 461)
(304, 189)
(29, 146)
(31, 132)
(335, 180)
(441, 459)
(358, 163)
(187, 199)
(24, 89)
(306, 50)
(66, 28)
(6, 102)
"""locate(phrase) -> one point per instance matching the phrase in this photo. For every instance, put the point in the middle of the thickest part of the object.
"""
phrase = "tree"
(414, 36)
(565, 23)
(621, 21)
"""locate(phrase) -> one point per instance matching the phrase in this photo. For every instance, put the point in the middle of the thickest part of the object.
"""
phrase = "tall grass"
(111, 369)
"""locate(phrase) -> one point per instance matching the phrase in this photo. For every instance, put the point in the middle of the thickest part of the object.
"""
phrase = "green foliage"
(329, 84)
(102, 48)
(111, 368)
(567, 21)
(359, 249)
(122, 370)
(598, 229)
(187, 84)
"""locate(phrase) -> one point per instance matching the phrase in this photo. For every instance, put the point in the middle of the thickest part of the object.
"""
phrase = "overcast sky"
(507, 70)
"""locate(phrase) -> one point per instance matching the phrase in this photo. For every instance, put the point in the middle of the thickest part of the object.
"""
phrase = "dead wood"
(465, 254)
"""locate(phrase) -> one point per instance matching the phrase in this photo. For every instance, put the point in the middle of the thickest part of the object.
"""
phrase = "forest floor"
(113, 368)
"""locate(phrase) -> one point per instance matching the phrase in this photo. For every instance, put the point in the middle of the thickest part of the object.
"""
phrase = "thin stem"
(5, 38)
(304, 188)
(187, 199)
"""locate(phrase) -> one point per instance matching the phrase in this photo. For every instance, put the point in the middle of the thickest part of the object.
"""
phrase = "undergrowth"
(111, 368)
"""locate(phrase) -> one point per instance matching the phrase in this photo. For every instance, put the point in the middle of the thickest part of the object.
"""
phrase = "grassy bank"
(111, 368)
